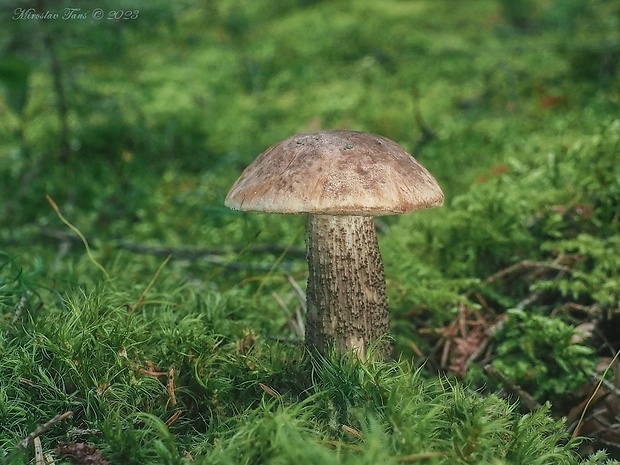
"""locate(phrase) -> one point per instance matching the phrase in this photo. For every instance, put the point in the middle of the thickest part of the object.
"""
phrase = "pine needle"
(91, 257)
(140, 300)
(596, 389)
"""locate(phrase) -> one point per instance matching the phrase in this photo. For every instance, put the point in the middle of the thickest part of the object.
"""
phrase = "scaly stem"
(347, 305)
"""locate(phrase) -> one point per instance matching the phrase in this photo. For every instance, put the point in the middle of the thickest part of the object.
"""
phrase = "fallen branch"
(534, 269)
(41, 429)
(527, 265)
(194, 253)
(213, 255)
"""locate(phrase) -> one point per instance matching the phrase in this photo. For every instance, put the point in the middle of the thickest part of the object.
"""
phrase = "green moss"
(513, 109)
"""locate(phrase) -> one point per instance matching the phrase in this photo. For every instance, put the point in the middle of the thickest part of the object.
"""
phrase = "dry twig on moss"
(525, 397)
(24, 443)
(211, 255)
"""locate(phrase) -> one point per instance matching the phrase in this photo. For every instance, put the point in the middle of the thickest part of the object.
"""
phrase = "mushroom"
(340, 179)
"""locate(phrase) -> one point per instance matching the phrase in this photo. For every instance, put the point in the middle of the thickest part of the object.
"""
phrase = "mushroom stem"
(347, 305)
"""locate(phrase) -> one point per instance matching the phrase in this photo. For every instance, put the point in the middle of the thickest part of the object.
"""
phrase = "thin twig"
(173, 418)
(522, 266)
(351, 431)
(525, 397)
(292, 322)
(530, 299)
(194, 253)
(24, 443)
(526, 265)
(211, 255)
(188, 253)
(301, 295)
(608, 385)
(416, 350)
(301, 309)
(150, 285)
(78, 232)
(269, 391)
(596, 389)
(38, 452)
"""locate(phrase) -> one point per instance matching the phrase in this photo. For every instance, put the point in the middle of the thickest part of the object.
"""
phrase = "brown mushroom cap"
(335, 172)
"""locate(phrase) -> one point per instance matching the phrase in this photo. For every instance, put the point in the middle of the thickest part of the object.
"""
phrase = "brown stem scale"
(347, 305)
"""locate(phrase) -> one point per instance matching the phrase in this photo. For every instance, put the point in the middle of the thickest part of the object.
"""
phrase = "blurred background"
(202, 88)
